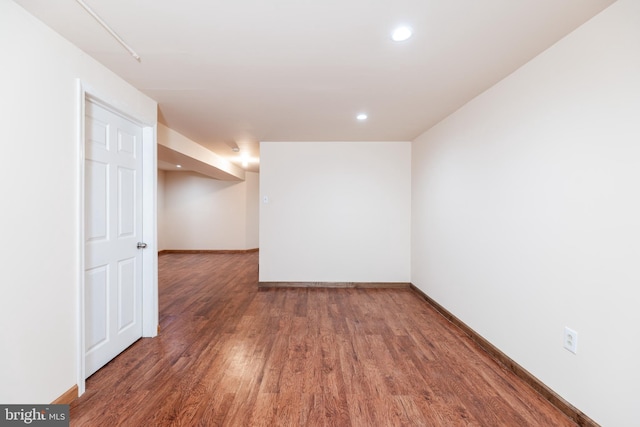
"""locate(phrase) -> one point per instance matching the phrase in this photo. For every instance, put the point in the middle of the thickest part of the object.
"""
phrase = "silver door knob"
(141, 245)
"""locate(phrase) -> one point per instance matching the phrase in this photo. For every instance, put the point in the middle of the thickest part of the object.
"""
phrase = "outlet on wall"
(570, 340)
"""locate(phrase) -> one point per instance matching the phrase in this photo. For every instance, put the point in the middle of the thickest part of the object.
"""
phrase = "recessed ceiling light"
(362, 116)
(401, 33)
(178, 166)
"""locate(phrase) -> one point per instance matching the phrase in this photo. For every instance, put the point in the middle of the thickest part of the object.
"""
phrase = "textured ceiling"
(232, 73)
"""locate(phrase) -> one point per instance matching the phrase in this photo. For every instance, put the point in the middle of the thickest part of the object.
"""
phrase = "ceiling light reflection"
(401, 33)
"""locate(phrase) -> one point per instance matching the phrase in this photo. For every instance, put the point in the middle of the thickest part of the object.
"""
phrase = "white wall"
(526, 214)
(162, 245)
(39, 219)
(337, 211)
(252, 201)
(209, 214)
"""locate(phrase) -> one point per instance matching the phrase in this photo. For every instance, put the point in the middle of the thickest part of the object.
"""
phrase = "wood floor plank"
(231, 354)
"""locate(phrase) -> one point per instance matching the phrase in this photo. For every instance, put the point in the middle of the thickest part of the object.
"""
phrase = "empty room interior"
(306, 161)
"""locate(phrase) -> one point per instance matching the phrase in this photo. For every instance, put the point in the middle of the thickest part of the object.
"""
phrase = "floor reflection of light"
(239, 360)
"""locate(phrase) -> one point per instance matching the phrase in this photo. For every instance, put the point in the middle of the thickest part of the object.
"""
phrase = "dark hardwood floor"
(229, 354)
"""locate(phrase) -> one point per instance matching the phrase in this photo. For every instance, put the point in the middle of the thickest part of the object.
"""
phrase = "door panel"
(113, 227)
(126, 202)
(96, 308)
(96, 183)
(127, 293)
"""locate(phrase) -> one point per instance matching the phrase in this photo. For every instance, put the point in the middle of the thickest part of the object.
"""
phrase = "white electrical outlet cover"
(571, 340)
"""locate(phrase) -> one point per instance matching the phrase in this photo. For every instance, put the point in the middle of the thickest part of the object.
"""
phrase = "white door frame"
(149, 216)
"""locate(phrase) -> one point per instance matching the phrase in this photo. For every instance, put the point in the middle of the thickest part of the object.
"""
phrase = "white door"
(113, 229)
